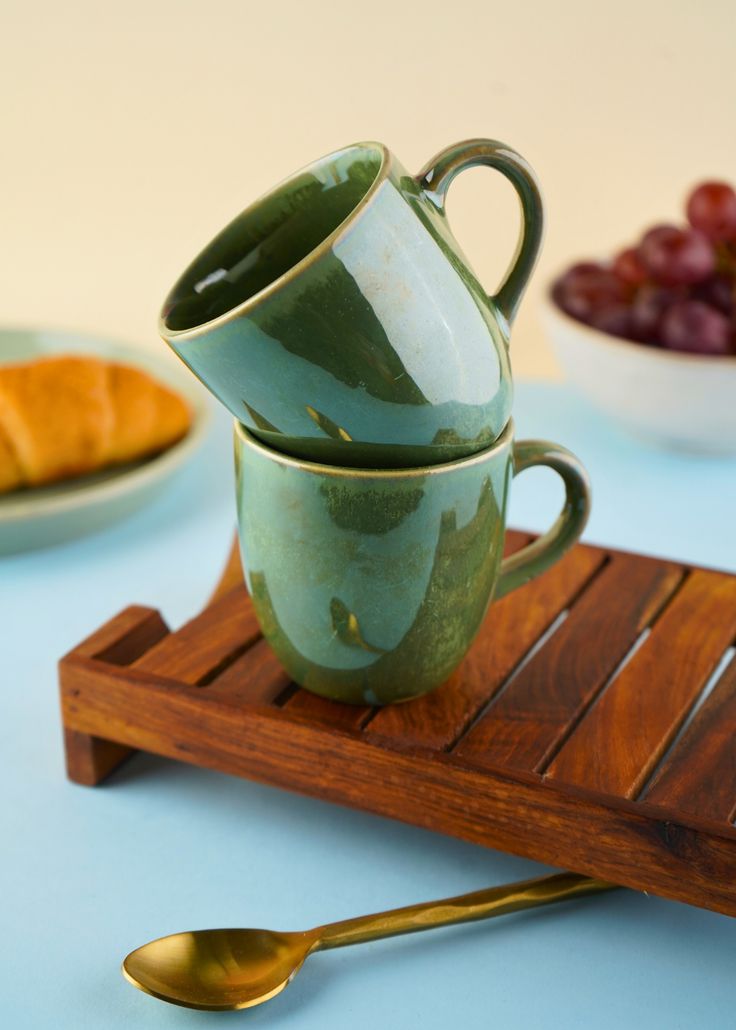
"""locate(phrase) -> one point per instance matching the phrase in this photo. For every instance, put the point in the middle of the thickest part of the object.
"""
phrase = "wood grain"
(625, 842)
(124, 638)
(256, 677)
(90, 759)
(699, 777)
(328, 713)
(204, 645)
(617, 745)
(213, 694)
(526, 725)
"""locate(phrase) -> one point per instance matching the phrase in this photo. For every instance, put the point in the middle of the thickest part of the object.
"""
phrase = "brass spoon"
(234, 969)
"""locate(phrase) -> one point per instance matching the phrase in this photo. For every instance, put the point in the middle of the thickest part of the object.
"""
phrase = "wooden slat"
(619, 742)
(256, 677)
(327, 713)
(90, 759)
(220, 633)
(699, 777)
(617, 840)
(529, 721)
(124, 638)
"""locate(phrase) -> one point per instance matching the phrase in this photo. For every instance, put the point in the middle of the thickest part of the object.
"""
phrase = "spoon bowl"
(218, 969)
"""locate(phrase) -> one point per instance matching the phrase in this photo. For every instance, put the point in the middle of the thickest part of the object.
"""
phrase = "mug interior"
(272, 236)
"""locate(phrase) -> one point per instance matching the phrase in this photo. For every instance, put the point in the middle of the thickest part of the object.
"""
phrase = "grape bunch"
(675, 289)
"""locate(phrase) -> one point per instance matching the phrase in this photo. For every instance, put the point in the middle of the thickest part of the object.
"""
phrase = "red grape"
(648, 309)
(587, 288)
(677, 257)
(628, 267)
(676, 288)
(719, 291)
(615, 320)
(711, 207)
(690, 325)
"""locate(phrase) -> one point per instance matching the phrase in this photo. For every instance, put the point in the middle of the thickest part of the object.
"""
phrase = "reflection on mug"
(457, 593)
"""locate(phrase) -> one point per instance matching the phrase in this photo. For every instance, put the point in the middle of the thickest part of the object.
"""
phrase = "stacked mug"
(369, 377)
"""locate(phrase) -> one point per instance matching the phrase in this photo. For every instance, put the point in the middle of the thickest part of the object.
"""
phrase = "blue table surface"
(90, 874)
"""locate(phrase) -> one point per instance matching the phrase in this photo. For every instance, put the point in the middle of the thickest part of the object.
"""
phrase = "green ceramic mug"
(339, 320)
(371, 585)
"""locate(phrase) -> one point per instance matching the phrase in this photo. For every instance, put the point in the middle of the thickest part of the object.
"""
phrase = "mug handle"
(536, 557)
(436, 176)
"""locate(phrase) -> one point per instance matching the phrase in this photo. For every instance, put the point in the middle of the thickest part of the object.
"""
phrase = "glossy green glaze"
(371, 585)
(339, 320)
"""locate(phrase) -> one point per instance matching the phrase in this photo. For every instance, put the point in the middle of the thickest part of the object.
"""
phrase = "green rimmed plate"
(42, 516)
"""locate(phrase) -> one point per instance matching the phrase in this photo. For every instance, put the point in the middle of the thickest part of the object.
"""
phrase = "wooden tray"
(592, 728)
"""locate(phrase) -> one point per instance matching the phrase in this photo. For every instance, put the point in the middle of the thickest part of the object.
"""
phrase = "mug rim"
(326, 244)
(246, 438)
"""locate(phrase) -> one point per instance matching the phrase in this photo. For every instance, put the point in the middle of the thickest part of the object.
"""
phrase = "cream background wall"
(132, 132)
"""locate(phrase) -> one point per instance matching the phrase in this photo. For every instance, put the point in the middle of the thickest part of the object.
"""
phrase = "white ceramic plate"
(48, 515)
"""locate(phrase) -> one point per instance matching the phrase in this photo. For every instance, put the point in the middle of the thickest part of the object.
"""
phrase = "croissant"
(68, 415)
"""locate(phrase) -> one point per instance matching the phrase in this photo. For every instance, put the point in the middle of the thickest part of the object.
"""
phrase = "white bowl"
(682, 401)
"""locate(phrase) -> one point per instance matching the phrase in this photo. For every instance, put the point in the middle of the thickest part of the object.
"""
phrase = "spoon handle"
(494, 901)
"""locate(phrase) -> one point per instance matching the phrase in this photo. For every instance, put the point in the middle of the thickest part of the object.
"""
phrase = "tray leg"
(89, 760)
